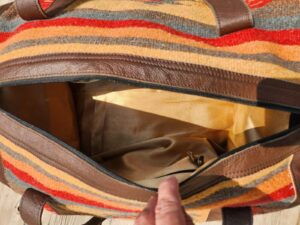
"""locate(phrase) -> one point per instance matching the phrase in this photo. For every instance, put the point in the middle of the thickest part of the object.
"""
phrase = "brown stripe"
(231, 15)
(169, 75)
(30, 9)
(63, 159)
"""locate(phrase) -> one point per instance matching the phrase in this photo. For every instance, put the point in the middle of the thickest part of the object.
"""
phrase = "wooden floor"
(9, 215)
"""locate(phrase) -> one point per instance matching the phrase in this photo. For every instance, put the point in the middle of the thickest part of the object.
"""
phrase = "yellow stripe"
(197, 10)
(285, 52)
(256, 68)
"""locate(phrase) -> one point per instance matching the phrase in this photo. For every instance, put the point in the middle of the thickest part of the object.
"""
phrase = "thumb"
(168, 209)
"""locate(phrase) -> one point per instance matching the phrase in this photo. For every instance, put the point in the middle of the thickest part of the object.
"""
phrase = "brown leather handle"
(231, 15)
(32, 206)
(35, 10)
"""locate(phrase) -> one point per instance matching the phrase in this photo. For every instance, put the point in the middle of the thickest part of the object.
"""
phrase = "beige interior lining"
(141, 134)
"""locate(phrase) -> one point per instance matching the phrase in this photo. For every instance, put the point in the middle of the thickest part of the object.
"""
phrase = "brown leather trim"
(63, 159)
(237, 216)
(32, 206)
(245, 162)
(295, 167)
(231, 15)
(30, 9)
(184, 77)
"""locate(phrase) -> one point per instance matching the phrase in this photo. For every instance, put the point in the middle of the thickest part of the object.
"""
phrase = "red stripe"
(45, 4)
(63, 195)
(49, 208)
(254, 4)
(288, 37)
(278, 195)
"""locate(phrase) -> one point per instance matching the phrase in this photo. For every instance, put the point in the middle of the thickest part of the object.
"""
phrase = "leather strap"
(30, 9)
(32, 206)
(95, 221)
(231, 15)
(237, 216)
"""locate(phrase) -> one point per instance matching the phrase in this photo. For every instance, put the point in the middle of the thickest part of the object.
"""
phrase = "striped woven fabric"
(269, 188)
(177, 30)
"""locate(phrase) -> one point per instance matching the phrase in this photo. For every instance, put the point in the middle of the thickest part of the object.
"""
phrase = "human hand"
(166, 209)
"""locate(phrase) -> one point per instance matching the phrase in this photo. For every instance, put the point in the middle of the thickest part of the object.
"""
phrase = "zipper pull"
(196, 159)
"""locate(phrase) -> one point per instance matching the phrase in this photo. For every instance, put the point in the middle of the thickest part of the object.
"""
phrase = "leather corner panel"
(231, 15)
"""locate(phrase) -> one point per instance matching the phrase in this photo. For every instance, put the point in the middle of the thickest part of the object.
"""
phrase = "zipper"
(128, 64)
(155, 86)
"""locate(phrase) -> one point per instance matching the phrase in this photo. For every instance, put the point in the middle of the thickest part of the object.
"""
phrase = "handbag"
(102, 100)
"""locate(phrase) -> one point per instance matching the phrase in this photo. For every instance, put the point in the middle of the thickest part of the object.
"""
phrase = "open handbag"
(101, 100)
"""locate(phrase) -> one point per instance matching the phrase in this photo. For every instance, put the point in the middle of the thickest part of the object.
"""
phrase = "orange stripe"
(59, 186)
(283, 51)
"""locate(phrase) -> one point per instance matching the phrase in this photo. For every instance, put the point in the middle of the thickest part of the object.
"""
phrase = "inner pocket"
(141, 134)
